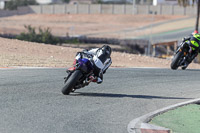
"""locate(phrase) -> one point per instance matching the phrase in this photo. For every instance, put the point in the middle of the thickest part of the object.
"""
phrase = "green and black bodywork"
(186, 52)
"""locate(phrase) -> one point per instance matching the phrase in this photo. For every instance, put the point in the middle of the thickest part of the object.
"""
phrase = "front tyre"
(176, 60)
(71, 82)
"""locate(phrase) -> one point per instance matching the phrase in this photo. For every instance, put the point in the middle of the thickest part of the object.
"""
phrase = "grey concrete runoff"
(140, 124)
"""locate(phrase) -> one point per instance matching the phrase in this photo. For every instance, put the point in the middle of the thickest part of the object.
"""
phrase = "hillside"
(21, 53)
(92, 25)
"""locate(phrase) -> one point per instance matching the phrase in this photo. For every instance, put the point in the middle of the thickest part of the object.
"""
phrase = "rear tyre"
(71, 82)
(176, 60)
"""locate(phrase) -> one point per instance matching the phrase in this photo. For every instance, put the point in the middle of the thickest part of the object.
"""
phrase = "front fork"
(185, 55)
(66, 78)
(70, 71)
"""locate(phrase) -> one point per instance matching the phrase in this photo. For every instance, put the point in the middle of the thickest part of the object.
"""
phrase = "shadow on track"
(111, 95)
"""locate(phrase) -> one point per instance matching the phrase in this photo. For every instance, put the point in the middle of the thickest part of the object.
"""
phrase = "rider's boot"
(100, 78)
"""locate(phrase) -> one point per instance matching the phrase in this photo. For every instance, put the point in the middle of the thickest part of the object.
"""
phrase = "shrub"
(44, 36)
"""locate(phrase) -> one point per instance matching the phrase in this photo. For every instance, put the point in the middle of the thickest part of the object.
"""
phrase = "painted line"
(140, 67)
(137, 125)
(6, 67)
(150, 67)
(163, 33)
(140, 28)
(19, 67)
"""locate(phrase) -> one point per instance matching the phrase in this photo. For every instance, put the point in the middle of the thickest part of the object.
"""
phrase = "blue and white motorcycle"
(80, 75)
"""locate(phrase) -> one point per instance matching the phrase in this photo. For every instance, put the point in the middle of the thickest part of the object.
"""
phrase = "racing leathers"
(100, 60)
(194, 42)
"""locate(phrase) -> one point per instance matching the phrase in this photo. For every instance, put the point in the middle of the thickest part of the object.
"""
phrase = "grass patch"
(184, 119)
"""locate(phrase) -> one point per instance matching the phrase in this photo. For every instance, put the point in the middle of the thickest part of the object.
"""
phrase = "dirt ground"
(28, 54)
(21, 53)
(93, 25)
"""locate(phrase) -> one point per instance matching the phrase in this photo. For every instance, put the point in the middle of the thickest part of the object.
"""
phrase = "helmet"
(104, 53)
(107, 50)
(195, 32)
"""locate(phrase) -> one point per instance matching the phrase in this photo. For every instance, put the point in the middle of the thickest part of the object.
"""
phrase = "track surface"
(31, 100)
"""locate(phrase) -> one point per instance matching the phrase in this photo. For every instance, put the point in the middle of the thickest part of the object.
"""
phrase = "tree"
(186, 3)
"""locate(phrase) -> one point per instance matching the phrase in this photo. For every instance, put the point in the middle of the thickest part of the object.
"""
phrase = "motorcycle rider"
(101, 58)
(194, 42)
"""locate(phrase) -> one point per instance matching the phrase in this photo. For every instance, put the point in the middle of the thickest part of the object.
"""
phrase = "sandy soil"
(21, 53)
(94, 25)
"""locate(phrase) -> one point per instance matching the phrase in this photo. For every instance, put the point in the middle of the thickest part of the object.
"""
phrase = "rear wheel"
(176, 60)
(71, 82)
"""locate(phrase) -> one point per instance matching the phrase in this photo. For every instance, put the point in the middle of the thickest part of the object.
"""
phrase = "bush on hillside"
(44, 36)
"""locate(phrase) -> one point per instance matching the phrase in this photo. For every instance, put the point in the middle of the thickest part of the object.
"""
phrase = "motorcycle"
(80, 75)
(182, 53)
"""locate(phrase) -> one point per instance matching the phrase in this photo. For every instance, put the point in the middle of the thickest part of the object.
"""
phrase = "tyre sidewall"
(176, 60)
(71, 82)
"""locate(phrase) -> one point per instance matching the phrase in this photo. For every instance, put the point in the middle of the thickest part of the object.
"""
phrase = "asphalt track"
(31, 100)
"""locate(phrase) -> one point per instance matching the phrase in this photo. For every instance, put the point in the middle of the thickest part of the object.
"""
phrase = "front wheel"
(71, 82)
(176, 60)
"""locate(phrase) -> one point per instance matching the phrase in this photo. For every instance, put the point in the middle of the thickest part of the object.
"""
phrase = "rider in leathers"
(101, 58)
(194, 41)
